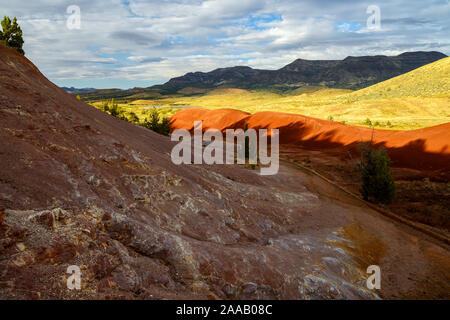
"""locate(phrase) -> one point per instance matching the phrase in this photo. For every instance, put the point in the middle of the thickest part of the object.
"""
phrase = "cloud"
(134, 38)
(151, 41)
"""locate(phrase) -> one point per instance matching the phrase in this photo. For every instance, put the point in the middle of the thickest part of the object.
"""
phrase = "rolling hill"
(414, 100)
(431, 80)
(350, 73)
(423, 149)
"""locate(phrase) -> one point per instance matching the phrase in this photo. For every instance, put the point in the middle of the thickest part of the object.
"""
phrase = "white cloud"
(157, 40)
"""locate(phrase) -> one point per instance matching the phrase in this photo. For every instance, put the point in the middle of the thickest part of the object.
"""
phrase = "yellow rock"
(20, 246)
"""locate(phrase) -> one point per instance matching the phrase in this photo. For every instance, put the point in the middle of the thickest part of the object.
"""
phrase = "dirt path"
(413, 265)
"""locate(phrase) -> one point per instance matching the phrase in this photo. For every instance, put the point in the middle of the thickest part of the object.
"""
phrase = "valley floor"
(382, 112)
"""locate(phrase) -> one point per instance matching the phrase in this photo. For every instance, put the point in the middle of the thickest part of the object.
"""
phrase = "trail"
(412, 263)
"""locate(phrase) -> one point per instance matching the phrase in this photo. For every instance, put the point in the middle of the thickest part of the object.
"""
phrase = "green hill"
(431, 80)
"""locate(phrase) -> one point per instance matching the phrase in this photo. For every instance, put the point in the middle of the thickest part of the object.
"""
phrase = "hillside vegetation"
(432, 80)
(417, 99)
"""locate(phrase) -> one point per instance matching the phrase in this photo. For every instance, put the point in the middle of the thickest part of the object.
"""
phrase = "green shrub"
(11, 34)
(152, 121)
(330, 118)
(104, 106)
(155, 123)
(377, 182)
(164, 126)
(133, 118)
(114, 109)
(368, 122)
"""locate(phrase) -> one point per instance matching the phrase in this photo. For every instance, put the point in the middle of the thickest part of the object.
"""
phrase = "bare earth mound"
(424, 149)
(79, 187)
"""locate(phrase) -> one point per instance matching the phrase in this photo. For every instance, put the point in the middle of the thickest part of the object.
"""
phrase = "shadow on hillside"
(411, 155)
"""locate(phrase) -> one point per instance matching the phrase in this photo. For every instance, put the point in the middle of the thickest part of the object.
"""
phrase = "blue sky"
(133, 43)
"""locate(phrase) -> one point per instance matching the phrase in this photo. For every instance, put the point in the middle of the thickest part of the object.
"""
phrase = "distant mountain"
(350, 73)
(231, 77)
(76, 90)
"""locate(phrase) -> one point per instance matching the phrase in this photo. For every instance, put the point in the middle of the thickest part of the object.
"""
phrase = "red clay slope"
(424, 149)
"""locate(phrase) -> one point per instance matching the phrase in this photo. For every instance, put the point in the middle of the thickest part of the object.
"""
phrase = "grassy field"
(417, 99)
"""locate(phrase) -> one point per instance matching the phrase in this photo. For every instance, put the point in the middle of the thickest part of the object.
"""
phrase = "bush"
(133, 118)
(155, 123)
(114, 109)
(152, 122)
(164, 126)
(104, 107)
(11, 34)
(368, 122)
(378, 184)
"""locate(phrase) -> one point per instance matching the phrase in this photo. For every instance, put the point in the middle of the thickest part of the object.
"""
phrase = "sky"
(137, 43)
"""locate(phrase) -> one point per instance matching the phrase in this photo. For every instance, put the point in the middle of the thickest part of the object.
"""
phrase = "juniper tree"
(11, 34)
(378, 183)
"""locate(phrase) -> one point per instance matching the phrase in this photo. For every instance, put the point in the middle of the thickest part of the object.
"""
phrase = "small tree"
(114, 109)
(368, 122)
(11, 34)
(104, 106)
(378, 183)
(133, 118)
(156, 123)
(152, 122)
(164, 126)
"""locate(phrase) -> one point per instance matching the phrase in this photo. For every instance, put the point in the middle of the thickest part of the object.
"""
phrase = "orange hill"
(425, 149)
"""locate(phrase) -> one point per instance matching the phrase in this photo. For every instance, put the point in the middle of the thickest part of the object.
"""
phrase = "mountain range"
(77, 90)
(350, 73)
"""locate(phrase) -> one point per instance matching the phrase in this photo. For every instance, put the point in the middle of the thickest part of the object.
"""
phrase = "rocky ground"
(79, 187)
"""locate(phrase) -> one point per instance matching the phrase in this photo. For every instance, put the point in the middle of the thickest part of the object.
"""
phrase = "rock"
(2, 215)
(44, 218)
(20, 246)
